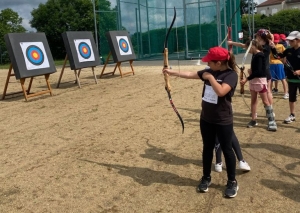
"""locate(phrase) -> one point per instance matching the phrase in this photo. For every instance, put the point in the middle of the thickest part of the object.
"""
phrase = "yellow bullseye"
(35, 55)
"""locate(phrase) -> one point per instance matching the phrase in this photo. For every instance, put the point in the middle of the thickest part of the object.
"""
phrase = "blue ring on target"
(35, 55)
(82, 46)
(123, 44)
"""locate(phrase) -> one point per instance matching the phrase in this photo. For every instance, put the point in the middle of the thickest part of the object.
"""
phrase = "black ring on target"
(84, 46)
(35, 55)
(123, 44)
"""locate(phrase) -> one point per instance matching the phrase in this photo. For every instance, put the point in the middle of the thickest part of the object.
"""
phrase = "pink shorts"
(261, 88)
(258, 85)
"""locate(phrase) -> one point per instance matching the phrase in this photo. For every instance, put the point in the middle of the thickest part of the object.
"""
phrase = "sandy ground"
(117, 146)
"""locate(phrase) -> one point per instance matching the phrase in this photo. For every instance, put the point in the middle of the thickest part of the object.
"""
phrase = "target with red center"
(123, 45)
(120, 46)
(34, 55)
(84, 50)
(30, 54)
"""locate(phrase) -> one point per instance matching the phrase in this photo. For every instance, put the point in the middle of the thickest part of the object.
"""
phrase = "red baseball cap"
(282, 36)
(216, 54)
(276, 37)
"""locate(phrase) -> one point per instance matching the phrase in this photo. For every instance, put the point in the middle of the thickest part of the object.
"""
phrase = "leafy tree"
(10, 22)
(245, 8)
(58, 16)
(282, 22)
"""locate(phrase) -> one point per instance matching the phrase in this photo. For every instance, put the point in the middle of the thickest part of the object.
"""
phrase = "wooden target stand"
(77, 74)
(24, 91)
(117, 65)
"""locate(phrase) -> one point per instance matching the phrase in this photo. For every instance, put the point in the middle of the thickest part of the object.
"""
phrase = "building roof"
(270, 2)
(292, 1)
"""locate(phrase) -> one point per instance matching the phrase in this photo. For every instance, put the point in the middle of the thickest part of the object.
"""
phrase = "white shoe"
(290, 119)
(218, 167)
(243, 165)
(286, 96)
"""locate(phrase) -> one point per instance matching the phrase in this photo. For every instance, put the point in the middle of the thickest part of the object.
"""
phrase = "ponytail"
(231, 62)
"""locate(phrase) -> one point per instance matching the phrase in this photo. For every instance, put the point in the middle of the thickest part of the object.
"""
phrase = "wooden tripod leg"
(77, 78)
(94, 75)
(22, 81)
(62, 71)
(79, 71)
(7, 81)
(131, 66)
(48, 84)
(106, 62)
(119, 67)
(30, 84)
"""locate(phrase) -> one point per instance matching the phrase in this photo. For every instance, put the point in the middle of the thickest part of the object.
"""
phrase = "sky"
(24, 8)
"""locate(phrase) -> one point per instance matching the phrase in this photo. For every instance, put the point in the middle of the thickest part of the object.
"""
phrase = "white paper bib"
(210, 95)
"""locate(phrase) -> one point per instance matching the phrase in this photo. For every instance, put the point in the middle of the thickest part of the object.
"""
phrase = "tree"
(244, 6)
(282, 22)
(10, 22)
(58, 16)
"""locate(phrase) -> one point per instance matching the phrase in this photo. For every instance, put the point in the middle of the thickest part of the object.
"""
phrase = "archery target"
(35, 55)
(84, 50)
(124, 46)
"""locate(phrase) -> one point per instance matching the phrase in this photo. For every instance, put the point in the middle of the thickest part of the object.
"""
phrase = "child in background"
(263, 37)
(216, 119)
(283, 40)
(277, 68)
(258, 85)
(292, 55)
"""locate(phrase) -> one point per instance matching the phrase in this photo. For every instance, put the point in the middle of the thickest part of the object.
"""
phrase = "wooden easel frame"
(77, 74)
(22, 81)
(118, 64)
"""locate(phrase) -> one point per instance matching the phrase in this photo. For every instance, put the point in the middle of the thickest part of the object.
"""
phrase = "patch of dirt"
(117, 146)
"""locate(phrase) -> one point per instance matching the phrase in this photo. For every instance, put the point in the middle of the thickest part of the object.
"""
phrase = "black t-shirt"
(267, 50)
(293, 56)
(258, 66)
(218, 110)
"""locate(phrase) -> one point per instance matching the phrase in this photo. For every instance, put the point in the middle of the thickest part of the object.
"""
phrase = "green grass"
(57, 63)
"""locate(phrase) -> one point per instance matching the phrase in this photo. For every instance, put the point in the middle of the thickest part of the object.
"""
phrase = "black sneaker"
(204, 184)
(252, 124)
(275, 91)
(231, 189)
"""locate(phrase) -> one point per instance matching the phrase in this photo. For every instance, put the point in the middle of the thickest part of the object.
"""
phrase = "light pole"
(95, 23)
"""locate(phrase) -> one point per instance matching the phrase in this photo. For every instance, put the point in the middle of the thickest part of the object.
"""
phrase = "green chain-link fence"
(199, 25)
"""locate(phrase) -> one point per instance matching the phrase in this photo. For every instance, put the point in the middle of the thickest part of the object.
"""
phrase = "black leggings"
(224, 133)
(235, 145)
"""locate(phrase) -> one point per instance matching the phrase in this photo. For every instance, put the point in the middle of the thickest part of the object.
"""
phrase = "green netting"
(199, 25)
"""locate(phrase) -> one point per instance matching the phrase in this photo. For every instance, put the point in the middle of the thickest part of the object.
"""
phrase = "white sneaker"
(218, 167)
(286, 96)
(290, 119)
(244, 165)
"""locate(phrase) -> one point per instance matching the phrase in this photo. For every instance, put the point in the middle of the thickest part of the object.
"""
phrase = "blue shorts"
(277, 72)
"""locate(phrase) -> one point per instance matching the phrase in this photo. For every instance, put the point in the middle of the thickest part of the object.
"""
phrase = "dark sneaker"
(204, 184)
(231, 189)
(275, 91)
(252, 124)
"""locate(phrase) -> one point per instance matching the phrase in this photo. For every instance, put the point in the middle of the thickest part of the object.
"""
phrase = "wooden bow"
(166, 76)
